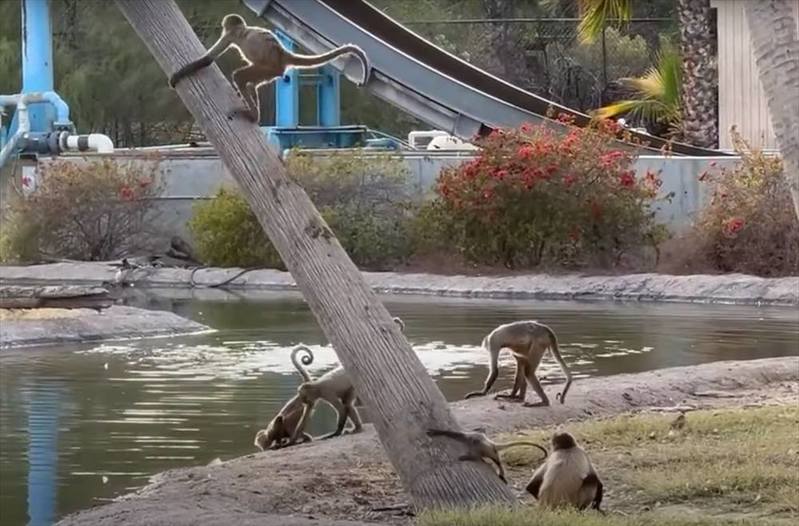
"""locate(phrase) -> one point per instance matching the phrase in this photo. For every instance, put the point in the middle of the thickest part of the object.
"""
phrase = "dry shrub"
(93, 210)
(750, 225)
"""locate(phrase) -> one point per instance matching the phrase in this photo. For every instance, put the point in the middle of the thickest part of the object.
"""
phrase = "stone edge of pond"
(117, 323)
(697, 288)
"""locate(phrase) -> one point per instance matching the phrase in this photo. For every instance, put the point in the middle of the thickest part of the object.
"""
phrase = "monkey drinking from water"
(528, 340)
(480, 447)
(280, 430)
(266, 59)
(335, 388)
(567, 477)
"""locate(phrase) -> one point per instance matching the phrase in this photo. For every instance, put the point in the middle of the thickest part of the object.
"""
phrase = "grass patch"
(734, 466)
(492, 516)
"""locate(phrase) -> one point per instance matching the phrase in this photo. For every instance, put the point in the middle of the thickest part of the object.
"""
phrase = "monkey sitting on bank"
(528, 340)
(266, 59)
(335, 388)
(567, 477)
(280, 430)
(479, 447)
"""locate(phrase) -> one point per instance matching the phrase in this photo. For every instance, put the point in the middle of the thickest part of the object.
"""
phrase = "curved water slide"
(411, 73)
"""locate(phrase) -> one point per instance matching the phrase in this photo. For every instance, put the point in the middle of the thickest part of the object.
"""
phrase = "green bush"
(363, 198)
(85, 210)
(534, 197)
(227, 234)
(750, 225)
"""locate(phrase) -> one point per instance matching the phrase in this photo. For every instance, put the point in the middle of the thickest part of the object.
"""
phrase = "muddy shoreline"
(346, 479)
(699, 288)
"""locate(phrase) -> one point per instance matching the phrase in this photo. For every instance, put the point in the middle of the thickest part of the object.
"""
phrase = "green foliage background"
(114, 86)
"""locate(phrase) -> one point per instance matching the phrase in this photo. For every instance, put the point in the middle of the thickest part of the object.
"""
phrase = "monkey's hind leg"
(519, 390)
(246, 79)
(533, 379)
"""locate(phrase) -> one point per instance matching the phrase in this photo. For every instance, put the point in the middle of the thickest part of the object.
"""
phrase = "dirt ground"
(348, 479)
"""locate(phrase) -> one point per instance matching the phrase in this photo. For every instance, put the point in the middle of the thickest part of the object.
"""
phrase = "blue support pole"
(37, 60)
(328, 98)
(287, 91)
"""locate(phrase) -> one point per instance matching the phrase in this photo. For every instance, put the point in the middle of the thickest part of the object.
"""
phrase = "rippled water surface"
(82, 424)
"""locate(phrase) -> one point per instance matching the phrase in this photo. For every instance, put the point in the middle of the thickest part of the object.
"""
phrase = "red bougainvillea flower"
(610, 126)
(568, 180)
(526, 128)
(607, 159)
(627, 179)
(525, 151)
(734, 225)
(565, 118)
(500, 174)
(126, 193)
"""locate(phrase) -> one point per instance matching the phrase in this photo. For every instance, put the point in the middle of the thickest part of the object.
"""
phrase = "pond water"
(82, 424)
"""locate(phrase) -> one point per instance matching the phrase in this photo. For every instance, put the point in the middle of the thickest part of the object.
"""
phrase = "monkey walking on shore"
(480, 447)
(266, 60)
(528, 340)
(567, 477)
(282, 427)
(335, 388)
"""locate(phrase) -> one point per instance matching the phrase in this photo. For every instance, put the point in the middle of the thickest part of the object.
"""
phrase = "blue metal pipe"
(37, 58)
(328, 98)
(287, 91)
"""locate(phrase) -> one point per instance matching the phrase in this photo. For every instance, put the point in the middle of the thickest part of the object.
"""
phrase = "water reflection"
(81, 424)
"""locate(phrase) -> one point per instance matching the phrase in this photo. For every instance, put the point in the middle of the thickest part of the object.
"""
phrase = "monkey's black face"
(563, 441)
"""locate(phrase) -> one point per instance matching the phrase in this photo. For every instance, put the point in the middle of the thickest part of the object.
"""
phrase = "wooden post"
(402, 398)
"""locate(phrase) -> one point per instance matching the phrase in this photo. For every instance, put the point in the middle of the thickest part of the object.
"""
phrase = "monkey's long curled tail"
(505, 445)
(309, 61)
(553, 346)
(306, 360)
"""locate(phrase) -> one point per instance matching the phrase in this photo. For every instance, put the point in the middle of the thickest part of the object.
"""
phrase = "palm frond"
(596, 13)
(656, 94)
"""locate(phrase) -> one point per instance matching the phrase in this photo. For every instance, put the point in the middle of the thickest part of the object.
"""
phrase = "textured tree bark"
(401, 397)
(700, 122)
(772, 28)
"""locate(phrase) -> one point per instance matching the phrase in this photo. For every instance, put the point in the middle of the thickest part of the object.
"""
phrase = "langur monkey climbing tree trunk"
(402, 398)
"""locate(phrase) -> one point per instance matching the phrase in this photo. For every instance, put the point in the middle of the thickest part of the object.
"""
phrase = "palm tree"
(699, 89)
(655, 100)
(698, 92)
(772, 28)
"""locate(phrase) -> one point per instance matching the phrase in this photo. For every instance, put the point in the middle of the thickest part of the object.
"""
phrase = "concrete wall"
(189, 179)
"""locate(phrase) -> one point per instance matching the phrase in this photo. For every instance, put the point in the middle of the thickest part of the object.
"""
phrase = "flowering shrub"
(750, 225)
(94, 210)
(363, 199)
(534, 197)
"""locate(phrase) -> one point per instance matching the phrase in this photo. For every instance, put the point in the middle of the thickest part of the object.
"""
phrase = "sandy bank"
(728, 288)
(348, 478)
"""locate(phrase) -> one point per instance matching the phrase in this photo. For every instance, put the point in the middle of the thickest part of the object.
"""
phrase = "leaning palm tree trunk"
(774, 39)
(699, 78)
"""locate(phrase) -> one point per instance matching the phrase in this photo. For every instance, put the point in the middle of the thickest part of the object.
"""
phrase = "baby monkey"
(480, 447)
(266, 59)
